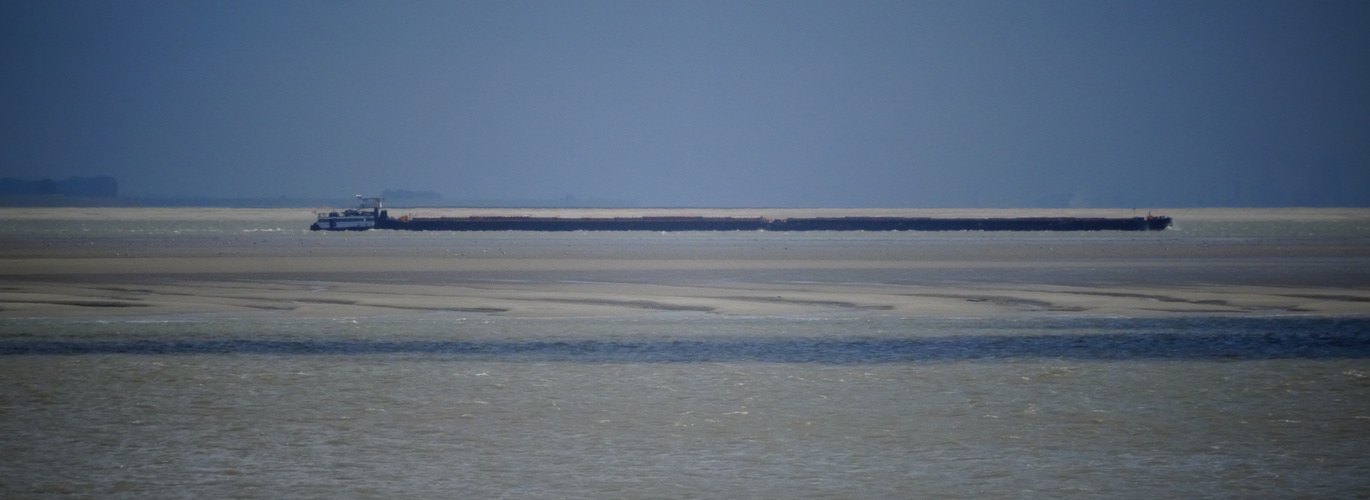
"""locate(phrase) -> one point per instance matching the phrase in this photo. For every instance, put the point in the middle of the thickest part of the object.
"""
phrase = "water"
(841, 403)
(685, 405)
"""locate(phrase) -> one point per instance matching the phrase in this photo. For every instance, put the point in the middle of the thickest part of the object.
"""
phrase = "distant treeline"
(78, 187)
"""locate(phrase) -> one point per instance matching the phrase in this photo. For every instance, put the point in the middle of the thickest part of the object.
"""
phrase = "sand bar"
(1275, 264)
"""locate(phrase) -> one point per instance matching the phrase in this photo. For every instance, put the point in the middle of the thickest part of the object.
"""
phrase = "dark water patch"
(1206, 311)
(122, 289)
(1158, 298)
(1004, 301)
(821, 303)
(484, 310)
(1340, 298)
(343, 302)
(1347, 342)
(635, 304)
(269, 307)
(79, 303)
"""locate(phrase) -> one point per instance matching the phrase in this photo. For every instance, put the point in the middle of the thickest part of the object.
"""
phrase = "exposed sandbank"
(27, 299)
(732, 274)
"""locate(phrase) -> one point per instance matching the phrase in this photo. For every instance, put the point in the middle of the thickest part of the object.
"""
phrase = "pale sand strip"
(185, 274)
(30, 299)
(99, 286)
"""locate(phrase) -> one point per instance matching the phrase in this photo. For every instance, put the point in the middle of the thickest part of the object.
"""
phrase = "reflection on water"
(685, 405)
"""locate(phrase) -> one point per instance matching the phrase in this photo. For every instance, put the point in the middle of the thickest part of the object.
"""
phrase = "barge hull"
(667, 224)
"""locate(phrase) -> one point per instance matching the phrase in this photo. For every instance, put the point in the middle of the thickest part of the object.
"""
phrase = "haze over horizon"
(723, 104)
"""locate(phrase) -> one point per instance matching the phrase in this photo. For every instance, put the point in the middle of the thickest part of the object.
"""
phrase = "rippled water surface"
(684, 405)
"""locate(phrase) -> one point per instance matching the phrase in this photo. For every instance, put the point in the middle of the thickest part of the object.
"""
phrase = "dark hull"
(316, 227)
(760, 224)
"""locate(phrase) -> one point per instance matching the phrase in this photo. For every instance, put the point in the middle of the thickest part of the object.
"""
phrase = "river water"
(684, 404)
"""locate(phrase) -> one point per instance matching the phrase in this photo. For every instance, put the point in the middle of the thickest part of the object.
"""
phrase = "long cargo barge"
(370, 215)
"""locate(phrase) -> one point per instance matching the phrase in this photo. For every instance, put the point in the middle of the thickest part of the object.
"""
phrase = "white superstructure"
(353, 219)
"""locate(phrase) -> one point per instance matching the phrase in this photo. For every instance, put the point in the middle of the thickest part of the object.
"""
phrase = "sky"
(701, 103)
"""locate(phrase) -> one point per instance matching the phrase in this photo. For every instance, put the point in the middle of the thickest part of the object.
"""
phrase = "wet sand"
(295, 272)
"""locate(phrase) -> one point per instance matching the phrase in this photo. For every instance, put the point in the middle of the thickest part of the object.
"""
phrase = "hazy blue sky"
(698, 103)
